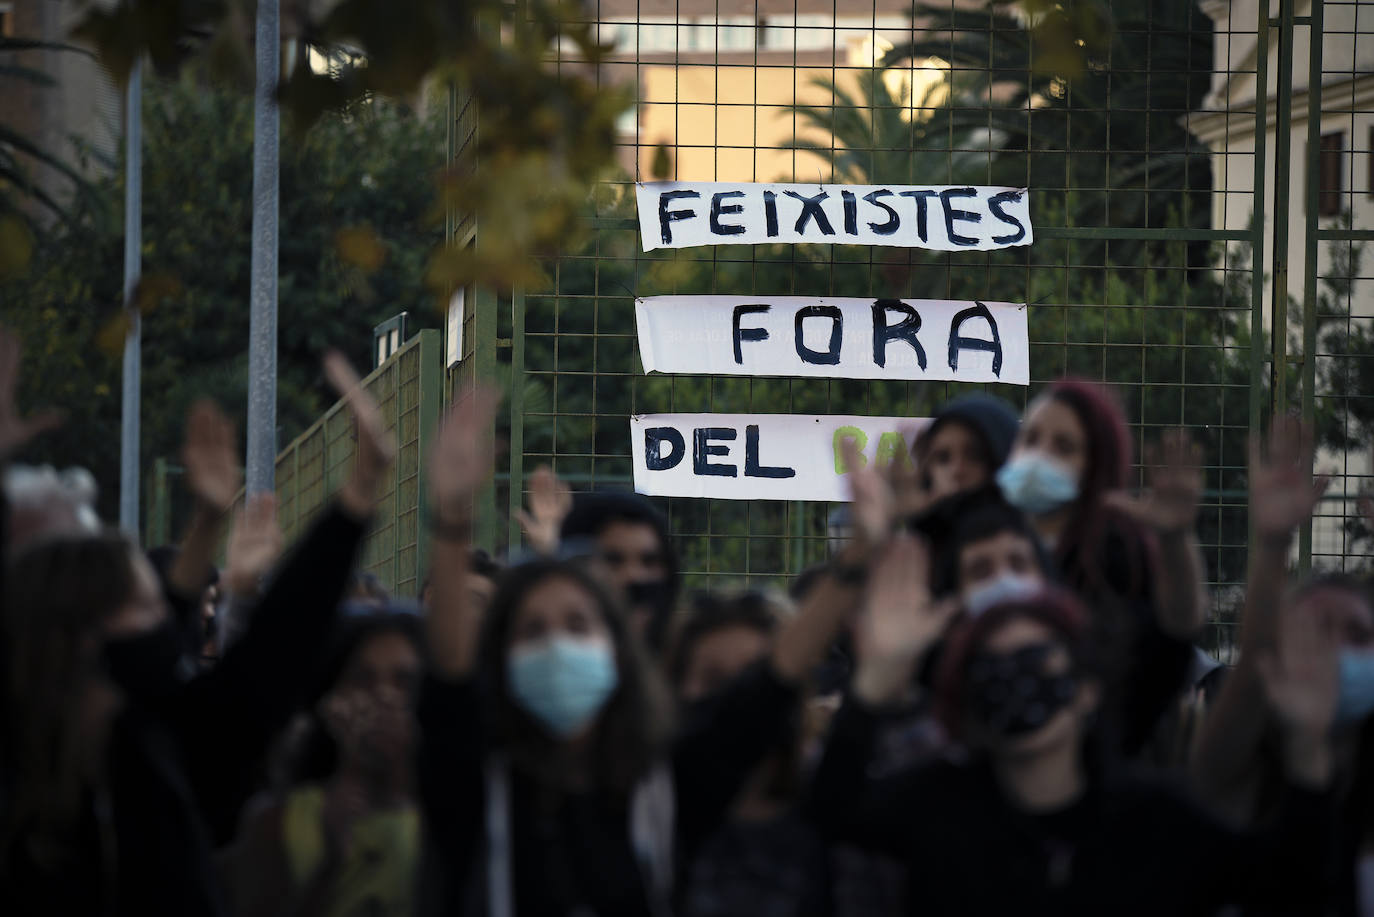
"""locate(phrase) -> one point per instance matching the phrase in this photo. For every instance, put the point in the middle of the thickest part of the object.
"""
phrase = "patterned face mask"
(1010, 694)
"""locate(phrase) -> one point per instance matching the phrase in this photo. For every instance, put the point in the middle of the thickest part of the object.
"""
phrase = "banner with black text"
(837, 338)
(760, 456)
(942, 218)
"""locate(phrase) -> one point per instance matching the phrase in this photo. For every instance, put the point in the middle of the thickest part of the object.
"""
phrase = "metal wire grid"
(570, 345)
(1339, 298)
(316, 463)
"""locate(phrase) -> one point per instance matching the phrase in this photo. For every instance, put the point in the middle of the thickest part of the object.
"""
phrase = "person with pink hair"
(1135, 562)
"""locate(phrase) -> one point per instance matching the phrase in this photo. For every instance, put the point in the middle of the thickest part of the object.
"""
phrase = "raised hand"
(255, 543)
(212, 466)
(1282, 493)
(550, 501)
(1171, 505)
(1301, 678)
(376, 447)
(909, 491)
(462, 456)
(16, 431)
(899, 621)
(871, 504)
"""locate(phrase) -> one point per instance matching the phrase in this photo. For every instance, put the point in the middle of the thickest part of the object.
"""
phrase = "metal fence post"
(517, 416)
(431, 408)
(1310, 242)
(1257, 235)
(1283, 153)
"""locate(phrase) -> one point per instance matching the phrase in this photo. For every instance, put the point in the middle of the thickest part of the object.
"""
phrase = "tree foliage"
(547, 132)
(1086, 98)
(357, 223)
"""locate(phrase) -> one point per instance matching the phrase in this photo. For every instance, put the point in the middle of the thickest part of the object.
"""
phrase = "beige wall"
(725, 123)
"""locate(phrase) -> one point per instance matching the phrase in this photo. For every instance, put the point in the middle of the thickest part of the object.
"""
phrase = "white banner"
(760, 456)
(932, 339)
(940, 217)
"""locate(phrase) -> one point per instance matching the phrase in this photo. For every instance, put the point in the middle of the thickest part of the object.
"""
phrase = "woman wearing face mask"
(1237, 762)
(1029, 822)
(988, 553)
(549, 779)
(345, 838)
(120, 766)
(1135, 562)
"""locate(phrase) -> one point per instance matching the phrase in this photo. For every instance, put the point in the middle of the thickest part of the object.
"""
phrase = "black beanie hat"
(995, 420)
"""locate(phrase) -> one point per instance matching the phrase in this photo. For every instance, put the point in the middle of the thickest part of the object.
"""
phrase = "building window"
(1331, 167)
(1369, 158)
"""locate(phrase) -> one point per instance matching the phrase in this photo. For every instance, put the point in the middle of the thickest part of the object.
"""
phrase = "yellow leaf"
(16, 246)
(360, 247)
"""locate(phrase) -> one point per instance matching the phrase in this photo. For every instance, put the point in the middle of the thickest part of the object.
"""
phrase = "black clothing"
(1144, 668)
(571, 852)
(181, 756)
(1127, 847)
(777, 867)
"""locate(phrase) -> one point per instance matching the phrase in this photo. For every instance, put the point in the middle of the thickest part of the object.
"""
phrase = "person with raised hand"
(255, 544)
(550, 501)
(1028, 818)
(551, 780)
(122, 768)
(1134, 563)
(1228, 760)
(1238, 760)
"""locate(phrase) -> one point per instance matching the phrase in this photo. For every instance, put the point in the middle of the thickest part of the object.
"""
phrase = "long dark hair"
(1079, 552)
(634, 725)
(58, 593)
(711, 612)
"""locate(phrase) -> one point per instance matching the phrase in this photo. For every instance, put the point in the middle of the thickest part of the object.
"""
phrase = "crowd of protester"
(988, 701)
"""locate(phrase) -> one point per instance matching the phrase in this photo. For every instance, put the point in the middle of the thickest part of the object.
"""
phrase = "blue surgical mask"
(562, 681)
(1357, 686)
(1005, 587)
(1037, 484)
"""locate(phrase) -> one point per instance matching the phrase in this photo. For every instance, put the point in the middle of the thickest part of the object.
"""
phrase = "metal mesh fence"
(408, 389)
(1175, 230)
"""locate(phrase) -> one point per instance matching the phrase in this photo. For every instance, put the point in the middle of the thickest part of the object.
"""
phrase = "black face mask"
(1010, 695)
(654, 597)
(148, 666)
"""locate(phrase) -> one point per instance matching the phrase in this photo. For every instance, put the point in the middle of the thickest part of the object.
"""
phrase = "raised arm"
(898, 625)
(254, 547)
(213, 480)
(803, 641)
(549, 504)
(1281, 498)
(229, 716)
(715, 755)
(460, 461)
(1280, 866)
(452, 749)
(1171, 512)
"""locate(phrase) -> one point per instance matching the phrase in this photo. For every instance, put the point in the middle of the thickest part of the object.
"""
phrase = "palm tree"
(1087, 99)
(881, 135)
(17, 152)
